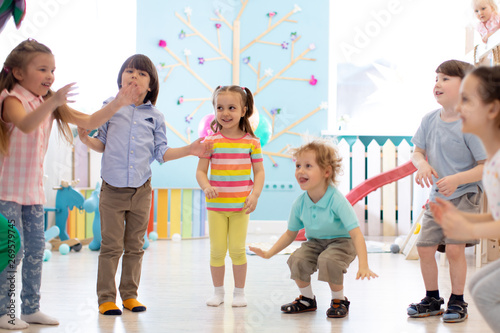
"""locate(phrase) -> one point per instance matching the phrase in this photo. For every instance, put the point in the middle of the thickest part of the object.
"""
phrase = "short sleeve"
(160, 138)
(256, 153)
(346, 213)
(476, 147)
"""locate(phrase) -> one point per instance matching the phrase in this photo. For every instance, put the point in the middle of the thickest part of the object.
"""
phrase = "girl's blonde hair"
(490, 3)
(20, 57)
(327, 156)
(246, 99)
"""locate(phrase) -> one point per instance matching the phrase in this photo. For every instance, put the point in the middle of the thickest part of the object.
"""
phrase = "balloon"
(204, 125)
(263, 131)
(254, 119)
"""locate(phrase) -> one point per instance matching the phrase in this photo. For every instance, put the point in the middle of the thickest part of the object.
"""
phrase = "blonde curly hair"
(327, 156)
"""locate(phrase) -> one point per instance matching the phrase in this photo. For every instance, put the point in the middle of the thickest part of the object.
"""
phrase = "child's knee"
(333, 267)
(300, 265)
(217, 257)
(455, 251)
(238, 257)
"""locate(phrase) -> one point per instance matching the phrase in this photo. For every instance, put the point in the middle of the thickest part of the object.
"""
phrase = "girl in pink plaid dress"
(27, 110)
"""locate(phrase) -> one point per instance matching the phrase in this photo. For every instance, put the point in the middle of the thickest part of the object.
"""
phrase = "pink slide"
(371, 184)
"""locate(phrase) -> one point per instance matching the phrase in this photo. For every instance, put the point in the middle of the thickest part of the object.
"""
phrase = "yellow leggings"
(227, 230)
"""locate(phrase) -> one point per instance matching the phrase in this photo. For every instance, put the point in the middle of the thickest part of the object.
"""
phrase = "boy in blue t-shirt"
(332, 230)
(453, 169)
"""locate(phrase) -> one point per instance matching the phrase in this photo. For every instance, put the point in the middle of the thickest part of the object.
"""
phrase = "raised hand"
(129, 94)
(61, 96)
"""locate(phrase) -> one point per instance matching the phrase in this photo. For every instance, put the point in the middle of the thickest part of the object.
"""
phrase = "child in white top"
(479, 109)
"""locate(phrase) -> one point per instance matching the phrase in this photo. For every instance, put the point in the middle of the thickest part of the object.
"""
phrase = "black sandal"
(456, 312)
(298, 306)
(339, 308)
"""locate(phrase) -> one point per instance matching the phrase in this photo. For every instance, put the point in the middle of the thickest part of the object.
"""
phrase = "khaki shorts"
(331, 257)
(431, 233)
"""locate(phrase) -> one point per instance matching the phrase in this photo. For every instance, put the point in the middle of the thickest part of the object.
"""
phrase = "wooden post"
(236, 52)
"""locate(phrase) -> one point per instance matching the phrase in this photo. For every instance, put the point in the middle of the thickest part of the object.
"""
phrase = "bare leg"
(218, 275)
(458, 267)
(218, 281)
(240, 274)
(428, 266)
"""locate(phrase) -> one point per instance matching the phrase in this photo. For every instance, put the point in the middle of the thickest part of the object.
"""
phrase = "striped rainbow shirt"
(231, 170)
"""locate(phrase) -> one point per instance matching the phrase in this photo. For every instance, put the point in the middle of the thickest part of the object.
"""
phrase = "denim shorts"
(431, 233)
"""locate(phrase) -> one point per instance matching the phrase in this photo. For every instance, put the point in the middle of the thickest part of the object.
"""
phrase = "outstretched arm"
(92, 143)
(464, 226)
(360, 246)
(14, 112)
(196, 148)
(286, 239)
(126, 96)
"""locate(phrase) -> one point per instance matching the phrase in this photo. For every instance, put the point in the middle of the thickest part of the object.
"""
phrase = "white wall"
(407, 40)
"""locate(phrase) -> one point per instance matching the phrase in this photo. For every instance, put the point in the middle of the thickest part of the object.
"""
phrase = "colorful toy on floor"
(52, 232)
(66, 199)
(153, 236)
(64, 249)
(92, 205)
(10, 242)
(47, 254)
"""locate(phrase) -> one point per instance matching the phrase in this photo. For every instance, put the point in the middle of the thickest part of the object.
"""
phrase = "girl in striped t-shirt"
(230, 192)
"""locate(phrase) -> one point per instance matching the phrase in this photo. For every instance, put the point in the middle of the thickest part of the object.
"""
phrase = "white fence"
(389, 210)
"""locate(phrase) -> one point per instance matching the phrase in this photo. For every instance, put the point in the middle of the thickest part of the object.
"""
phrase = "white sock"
(239, 297)
(12, 324)
(39, 318)
(218, 297)
(307, 292)
(338, 294)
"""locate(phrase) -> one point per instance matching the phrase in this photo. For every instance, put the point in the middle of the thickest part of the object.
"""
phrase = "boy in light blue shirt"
(451, 163)
(331, 227)
(130, 141)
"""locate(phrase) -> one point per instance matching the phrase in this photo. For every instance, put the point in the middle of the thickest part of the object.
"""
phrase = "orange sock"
(109, 309)
(133, 305)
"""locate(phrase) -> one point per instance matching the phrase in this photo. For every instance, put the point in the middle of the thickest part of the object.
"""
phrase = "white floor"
(176, 281)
